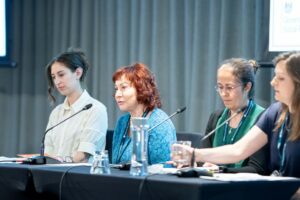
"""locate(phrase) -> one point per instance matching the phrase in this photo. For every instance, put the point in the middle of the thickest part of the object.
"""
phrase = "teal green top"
(227, 135)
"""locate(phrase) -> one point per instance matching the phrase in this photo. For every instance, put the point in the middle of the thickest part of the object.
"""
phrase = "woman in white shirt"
(80, 136)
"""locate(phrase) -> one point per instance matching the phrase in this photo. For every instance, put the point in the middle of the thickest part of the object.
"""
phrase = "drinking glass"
(180, 156)
(100, 163)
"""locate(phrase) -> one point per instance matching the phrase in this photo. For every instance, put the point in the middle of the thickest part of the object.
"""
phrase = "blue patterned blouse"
(160, 139)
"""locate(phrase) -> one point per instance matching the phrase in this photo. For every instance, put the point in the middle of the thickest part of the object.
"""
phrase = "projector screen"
(3, 41)
(284, 32)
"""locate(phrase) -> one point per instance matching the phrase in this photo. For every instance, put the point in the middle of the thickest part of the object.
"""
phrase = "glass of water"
(100, 164)
(180, 156)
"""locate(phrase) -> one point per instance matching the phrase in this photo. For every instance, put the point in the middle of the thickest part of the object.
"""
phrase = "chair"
(194, 137)
(108, 146)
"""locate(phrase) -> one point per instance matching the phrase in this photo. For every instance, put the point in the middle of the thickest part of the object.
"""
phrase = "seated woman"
(278, 126)
(80, 136)
(235, 85)
(136, 93)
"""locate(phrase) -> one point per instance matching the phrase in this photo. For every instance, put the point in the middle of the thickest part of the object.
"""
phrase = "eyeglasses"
(226, 89)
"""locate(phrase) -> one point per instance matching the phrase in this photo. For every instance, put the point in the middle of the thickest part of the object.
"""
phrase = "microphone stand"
(220, 125)
(172, 115)
(42, 159)
(194, 172)
(126, 166)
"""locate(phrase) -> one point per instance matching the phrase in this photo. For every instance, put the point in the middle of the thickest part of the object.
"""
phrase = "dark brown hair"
(244, 70)
(72, 59)
(292, 63)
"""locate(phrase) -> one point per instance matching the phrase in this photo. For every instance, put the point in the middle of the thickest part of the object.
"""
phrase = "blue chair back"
(108, 146)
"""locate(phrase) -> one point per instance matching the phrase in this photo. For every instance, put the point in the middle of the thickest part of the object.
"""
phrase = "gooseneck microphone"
(86, 107)
(126, 166)
(169, 117)
(42, 159)
(222, 124)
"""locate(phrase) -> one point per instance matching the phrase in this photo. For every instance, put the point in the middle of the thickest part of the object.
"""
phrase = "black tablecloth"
(45, 182)
(16, 182)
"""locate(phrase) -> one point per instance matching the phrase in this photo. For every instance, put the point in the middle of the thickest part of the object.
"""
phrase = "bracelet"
(193, 158)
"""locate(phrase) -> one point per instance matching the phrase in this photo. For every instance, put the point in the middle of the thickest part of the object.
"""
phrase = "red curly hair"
(143, 81)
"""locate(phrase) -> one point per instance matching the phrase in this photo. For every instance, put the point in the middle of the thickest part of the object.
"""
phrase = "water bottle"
(139, 158)
(100, 164)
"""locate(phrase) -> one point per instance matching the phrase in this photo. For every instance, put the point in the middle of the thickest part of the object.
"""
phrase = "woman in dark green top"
(235, 85)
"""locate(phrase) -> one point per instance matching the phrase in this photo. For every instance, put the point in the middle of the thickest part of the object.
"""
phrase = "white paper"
(4, 159)
(245, 177)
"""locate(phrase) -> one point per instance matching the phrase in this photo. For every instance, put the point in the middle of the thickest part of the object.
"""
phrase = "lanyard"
(249, 107)
(281, 145)
(124, 143)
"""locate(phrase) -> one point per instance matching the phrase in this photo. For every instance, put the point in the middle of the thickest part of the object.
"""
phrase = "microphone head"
(181, 110)
(88, 106)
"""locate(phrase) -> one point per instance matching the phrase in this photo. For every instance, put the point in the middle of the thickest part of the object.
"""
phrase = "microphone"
(169, 117)
(42, 159)
(126, 166)
(227, 120)
(86, 107)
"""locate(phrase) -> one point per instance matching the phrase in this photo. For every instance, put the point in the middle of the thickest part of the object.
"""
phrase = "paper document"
(160, 169)
(245, 177)
(4, 159)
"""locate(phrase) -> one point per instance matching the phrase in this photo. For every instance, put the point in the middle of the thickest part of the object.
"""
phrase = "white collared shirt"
(85, 132)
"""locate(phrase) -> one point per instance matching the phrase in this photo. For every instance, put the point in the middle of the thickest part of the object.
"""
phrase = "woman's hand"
(181, 155)
(81, 157)
(212, 166)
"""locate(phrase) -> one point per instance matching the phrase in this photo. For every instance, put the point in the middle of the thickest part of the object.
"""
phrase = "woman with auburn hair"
(278, 126)
(136, 93)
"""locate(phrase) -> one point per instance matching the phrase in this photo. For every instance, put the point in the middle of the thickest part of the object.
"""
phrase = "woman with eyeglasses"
(278, 127)
(235, 85)
(136, 94)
